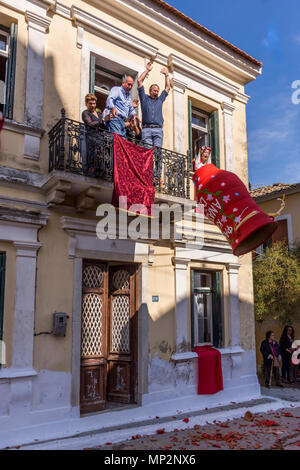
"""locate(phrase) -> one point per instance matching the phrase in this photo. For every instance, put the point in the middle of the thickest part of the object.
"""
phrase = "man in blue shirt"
(120, 106)
(152, 119)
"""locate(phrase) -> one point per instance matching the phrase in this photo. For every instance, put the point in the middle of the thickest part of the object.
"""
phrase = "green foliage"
(276, 276)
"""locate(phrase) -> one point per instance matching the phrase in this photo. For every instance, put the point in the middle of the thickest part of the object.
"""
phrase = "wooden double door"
(108, 336)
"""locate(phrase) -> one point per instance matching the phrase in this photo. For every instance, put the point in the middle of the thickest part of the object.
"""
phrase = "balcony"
(68, 156)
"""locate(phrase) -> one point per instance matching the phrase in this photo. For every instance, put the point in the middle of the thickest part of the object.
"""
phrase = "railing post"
(188, 191)
(61, 157)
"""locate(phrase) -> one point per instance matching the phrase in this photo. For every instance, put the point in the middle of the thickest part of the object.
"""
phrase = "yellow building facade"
(268, 198)
(134, 309)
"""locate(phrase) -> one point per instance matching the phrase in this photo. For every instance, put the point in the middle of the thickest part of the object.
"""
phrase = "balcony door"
(108, 336)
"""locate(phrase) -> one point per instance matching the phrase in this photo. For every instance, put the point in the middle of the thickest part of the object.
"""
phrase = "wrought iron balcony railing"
(68, 151)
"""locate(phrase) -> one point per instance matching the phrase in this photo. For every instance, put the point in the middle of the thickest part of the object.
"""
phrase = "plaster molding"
(79, 39)
(81, 17)
(28, 218)
(231, 350)
(151, 256)
(200, 43)
(74, 224)
(183, 357)
(37, 22)
(39, 6)
(178, 86)
(228, 108)
(180, 263)
(27, 249)
(233, 268)
(162, 59)
(23, 128)
(61, 9)
(242, 97)
(11, 373)
(201, 75)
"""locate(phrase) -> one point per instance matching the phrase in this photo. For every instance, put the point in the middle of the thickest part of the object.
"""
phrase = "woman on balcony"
(93, 120)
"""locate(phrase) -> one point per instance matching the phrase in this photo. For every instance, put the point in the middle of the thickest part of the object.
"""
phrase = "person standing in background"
(286, 340)
(270, 350)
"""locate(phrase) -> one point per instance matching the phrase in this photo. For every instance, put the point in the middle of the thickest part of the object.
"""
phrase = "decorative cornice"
(200, 75)
(21, 5)
(61, 10)
(81, 17)
(37, 22)
(215, 53)
(242, 97)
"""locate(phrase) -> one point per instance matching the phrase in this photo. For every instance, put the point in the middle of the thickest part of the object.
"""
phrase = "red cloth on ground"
(133, 175)
(210, 379)
(1, 123)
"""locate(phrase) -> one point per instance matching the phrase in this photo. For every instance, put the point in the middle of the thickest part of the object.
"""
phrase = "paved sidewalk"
(117, 432)
(277, 430)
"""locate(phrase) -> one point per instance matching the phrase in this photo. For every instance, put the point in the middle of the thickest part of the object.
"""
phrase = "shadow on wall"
(41, 114)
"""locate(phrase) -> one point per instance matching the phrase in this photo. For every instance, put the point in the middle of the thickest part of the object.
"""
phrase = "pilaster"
(37, 28)
(228, 135)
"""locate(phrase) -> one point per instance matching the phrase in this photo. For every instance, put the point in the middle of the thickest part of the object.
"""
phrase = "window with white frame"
(206, 308)
(202, 298)
(199, 125)
(104, 81)
(4, 47)
(203, 129)
(8, 54)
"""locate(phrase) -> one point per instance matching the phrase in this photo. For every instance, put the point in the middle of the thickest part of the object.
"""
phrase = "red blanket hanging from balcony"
(210, 379)
(133, 176)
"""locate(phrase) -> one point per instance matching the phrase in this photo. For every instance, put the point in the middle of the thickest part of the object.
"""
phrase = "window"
(2, 286)
(206, 318)
(203, 130)
(104, 81)
(8, 39)
(105, 74)
(199, 130)
(4, 39)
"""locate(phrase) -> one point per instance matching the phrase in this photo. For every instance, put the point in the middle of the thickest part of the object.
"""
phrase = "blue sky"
(268, 30)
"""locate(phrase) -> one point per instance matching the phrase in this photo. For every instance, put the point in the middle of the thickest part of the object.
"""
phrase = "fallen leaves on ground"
(266, 422)
(160, 431)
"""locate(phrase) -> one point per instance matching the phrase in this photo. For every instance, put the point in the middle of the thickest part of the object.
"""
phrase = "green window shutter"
(217, 310)
(213, 132)
(92, 73)
(190, 130)
(10, 72)
(192, 309)
(2, 287)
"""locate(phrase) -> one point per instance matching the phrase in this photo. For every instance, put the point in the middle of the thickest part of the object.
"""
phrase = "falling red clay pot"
(229, 205)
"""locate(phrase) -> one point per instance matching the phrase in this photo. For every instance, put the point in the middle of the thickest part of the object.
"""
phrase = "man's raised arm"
(165, 72)
(144, 74)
